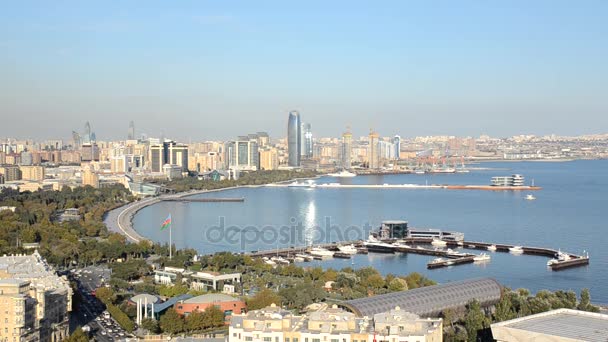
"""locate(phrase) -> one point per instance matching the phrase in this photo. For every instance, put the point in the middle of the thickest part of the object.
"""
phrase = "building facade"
(373, 155)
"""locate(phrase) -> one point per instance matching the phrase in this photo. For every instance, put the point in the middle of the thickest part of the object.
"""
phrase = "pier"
(187, 199)
(453, 258)
(406, 186)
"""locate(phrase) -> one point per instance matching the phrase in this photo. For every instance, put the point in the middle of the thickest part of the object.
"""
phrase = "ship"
(321, 252)
(374, 245)
(342, 174)
(348, 249)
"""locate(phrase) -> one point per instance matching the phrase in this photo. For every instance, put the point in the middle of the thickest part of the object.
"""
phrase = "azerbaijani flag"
(166, 224)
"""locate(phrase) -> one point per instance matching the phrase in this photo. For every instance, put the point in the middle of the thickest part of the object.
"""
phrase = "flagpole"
(170, 238)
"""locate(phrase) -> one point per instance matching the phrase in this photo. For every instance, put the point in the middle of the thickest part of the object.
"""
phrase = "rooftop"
(210, 298)
(561, 323)
(32, 268)
(430, 301)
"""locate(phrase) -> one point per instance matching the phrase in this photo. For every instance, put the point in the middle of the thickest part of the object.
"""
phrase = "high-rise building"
(36, 302)
(269, 159)
(263, 139)
(89, 152)
(294, 139)
(10, 172)
(307, 142)
(86, 139)
(169, 152)
(247, 155)
(397, 146)
(89, 177)
(346, 150)
(131, 134)
(373, 155)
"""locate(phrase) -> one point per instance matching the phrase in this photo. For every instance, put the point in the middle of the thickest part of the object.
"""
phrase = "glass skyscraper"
(294, 138)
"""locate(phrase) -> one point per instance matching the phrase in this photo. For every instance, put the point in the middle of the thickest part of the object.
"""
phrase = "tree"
(78, 336)
(585, 302)
(196, 321)
(263, 299)
(106, 295)
(504, 310)
(213, 317)
(151, 325)
(171, 322)
(474, 321)
(397, 284)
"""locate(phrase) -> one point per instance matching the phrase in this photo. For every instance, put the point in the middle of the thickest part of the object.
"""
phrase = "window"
(286, 339)
(248, 338)
(316, 340)
(295, 339)
(335, 340)
(267, 339)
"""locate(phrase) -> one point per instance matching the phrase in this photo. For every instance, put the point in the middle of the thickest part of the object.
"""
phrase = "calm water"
(569, 213)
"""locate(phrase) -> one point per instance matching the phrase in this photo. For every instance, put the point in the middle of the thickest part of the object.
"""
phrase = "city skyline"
(402, 68)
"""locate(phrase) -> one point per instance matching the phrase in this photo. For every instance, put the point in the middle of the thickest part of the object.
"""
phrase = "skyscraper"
(374, 158)
(294, 139)
(306, 151)
(397, 146)
(131, 135)
(86, 139)
(347, 145)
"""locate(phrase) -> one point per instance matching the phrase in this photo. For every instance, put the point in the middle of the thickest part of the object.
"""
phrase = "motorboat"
(455, 253)
(306, 257)
(472, 246)
(437, 261)
(348, 249)
(321, 252)
(516, 250)
(530, 197)
(269, 262)
(297, 184)
(492, 248)
(561, 256)
(374, 245)
(299, 259)
(401, 244)
(481, 257)
(438, 242)
(342, 174)
(280, 260)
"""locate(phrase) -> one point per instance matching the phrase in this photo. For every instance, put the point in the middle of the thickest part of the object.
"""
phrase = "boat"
(481, 257)
(419, 172)
(375, 245)
(298, 259)
(269, 262)
(492, 248)
(321, 252)
(342, 174)
(297, 184)
(438, 242)
(455, 253)
(516, 250)
(530, 197)
(341, 255)
(472, 246)
(561, 256)
(362, 250)
(306, 257)
(401, 244)
(280, 260)
(348, 249)
(436, 261)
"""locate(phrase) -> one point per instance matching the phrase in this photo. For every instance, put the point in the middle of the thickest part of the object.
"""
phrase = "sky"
(204, 70)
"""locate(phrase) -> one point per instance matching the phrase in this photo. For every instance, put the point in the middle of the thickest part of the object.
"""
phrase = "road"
(91, 311)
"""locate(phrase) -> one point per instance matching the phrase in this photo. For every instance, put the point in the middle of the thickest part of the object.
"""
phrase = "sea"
(570, 213)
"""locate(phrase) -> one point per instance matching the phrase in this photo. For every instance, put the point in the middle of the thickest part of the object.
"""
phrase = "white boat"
(530, 197)
(481, 257)
(269, 262)
(297, 184)
(438, 242)
(348, 249)
(437, 261)
(471, 246)
(419, 172)
(455, 253)
(342, 173)
(516, 250)
(561, 256)
(280, 260)
(306, 257)
(401, 244)
(299, 259)
(321, 252)
(492, 248)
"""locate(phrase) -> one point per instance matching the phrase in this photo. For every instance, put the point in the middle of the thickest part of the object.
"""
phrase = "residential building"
(307, 141)
(89, 177)
(35, 301)
(269, 159)
(346, 150)
(332, 324)
(246, 154)
(294, 138)
(169, 152)
(10, 172)
(32, 173)
(373, 155)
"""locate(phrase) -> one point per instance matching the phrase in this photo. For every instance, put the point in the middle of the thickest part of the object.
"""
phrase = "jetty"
(453, 258)
(406, 186)
(208, 199)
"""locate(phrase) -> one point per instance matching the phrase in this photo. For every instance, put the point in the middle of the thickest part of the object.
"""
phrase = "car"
(121, 334)
(103, 332)
(109, 330)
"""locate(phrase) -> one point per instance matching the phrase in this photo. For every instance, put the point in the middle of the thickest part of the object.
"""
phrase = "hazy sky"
(217, 69)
